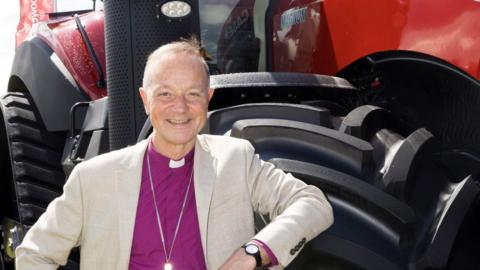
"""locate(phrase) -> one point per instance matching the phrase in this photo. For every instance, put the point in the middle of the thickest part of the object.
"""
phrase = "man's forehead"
(166, 64)
(158, 85)
(165, 58)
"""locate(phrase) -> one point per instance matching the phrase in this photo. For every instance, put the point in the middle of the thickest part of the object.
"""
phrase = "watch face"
(251, 249)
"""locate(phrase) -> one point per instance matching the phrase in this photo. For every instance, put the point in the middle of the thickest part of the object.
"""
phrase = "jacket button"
(292, 252)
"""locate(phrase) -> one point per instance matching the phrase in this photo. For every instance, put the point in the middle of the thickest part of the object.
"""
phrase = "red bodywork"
(64, 38)
(338, 32)
(333, 34)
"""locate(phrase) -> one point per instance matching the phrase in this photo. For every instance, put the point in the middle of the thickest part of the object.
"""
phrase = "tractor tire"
(390, 185)
(379, 176)
(33, 155)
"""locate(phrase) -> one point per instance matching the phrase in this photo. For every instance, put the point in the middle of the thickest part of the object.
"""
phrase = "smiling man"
(177, 200)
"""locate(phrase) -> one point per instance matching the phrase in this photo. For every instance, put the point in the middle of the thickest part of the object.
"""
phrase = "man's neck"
(173, 152)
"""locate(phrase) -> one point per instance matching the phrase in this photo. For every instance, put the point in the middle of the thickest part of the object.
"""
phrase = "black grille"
(132, 32)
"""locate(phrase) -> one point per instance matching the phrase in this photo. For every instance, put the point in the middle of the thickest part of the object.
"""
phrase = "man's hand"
(239, 261)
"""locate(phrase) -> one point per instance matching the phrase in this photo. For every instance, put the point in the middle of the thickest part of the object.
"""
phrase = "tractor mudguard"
(422, 91)
(48, 81)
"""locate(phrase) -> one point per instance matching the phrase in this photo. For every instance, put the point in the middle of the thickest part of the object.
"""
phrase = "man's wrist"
(268, 258)
(253, 251)
(265, 258)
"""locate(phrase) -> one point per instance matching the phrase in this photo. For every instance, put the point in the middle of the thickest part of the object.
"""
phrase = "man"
(177, 200)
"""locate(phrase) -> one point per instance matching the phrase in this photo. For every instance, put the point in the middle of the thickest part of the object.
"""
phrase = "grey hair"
(189, 46)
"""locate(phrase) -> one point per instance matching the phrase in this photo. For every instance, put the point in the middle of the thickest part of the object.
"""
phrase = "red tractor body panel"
(334, 33)
(63, 37)
(314, 36)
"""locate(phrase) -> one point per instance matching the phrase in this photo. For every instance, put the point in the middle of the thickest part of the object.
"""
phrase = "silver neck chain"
(167, 258)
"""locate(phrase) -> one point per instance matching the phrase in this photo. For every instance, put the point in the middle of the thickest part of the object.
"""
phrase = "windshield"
(233, 33)
(73, 5)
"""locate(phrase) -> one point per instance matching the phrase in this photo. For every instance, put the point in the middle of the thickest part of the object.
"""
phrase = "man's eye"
(162, 94)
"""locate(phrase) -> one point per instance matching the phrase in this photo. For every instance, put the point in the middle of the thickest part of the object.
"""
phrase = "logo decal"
(292, 17)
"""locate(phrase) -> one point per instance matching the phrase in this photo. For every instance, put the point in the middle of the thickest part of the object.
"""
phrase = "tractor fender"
(422, 91)
(51, 86)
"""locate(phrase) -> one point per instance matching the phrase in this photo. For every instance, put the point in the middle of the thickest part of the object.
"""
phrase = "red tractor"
(372, 101)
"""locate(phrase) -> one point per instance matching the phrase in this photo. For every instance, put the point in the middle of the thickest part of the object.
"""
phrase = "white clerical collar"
(176, 163)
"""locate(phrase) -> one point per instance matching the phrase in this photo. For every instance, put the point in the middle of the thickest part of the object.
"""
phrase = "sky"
(9, 20)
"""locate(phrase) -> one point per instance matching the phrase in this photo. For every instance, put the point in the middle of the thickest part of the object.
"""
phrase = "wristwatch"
(253, 250)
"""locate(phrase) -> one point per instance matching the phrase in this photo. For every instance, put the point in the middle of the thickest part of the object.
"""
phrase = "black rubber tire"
(383, 224)
(220, 121)
(275, 138)
(397, 148)
(35, 157)
(35, 162)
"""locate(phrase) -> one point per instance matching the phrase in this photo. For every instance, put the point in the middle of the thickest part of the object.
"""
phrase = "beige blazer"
(98, 207)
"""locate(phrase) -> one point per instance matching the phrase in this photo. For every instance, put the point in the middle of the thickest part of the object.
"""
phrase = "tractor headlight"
(176, 9)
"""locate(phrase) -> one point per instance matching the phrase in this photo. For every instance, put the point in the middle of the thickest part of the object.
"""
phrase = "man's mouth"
(178, 122)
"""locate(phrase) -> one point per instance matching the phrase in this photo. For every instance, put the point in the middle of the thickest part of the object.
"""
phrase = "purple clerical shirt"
(170, 186)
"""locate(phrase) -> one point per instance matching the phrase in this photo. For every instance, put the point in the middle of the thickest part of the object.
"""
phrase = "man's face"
(177, 100)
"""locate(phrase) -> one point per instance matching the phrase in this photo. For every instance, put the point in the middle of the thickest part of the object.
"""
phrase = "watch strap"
(256, 255)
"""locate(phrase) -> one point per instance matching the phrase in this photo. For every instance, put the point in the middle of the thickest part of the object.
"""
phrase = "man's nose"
(180, 104)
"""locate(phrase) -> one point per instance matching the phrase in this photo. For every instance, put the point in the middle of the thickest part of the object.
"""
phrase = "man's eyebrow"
(158, 87)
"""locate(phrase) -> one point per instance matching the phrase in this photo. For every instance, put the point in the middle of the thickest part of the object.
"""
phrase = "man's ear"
(210, 93)
(144, 96)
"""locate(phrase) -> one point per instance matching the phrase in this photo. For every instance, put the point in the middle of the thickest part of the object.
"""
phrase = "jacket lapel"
(204, 180)
(128, 189)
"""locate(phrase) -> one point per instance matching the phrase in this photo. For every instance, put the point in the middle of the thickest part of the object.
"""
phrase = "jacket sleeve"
(48, 242)
(298, 212)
